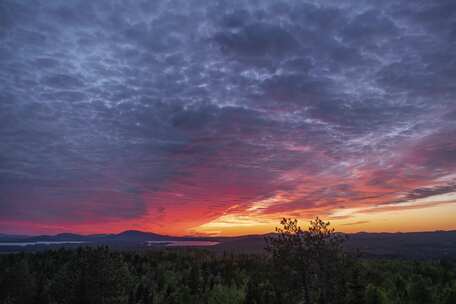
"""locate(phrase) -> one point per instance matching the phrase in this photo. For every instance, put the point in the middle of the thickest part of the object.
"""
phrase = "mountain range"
(417, 245)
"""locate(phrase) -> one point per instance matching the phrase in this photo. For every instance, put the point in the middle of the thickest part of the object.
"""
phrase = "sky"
(221, 117)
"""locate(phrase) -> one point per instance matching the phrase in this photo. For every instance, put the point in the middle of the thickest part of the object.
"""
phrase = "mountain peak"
(137, 235)
(136, 232)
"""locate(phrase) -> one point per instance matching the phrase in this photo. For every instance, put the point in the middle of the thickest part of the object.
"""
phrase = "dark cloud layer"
(112, 110)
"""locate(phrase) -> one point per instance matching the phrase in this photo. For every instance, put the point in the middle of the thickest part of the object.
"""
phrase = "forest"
(299, 266)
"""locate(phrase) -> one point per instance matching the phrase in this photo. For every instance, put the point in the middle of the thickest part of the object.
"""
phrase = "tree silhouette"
(312, 260)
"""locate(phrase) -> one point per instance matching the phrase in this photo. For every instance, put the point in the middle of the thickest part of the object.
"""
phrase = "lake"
(181, 243)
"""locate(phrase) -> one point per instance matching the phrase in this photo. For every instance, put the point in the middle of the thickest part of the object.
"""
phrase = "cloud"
(355, 223)
(257, 39)
(175, 113)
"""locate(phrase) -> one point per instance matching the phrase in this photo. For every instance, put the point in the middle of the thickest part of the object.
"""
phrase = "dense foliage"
(300, 267)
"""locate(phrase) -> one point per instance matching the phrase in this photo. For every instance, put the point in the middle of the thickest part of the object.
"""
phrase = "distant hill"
(419, 245)
(416, 245)
(129, 236)
(126, 236)
(7, 237)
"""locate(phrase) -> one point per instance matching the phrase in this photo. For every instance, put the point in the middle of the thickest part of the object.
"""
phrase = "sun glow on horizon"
(408, 216)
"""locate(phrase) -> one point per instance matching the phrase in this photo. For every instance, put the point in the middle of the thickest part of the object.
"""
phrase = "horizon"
(215, 236)
(214, 118)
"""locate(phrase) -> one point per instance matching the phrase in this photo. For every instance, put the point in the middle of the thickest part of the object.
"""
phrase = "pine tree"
(375, 295)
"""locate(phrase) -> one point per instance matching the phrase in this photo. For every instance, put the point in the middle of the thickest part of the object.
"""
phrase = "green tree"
(375, 295)
(356, 288)
(92, 276)
(225, 295)
(419, 292)
(20, 285)
(259, 292)
(449, 296)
